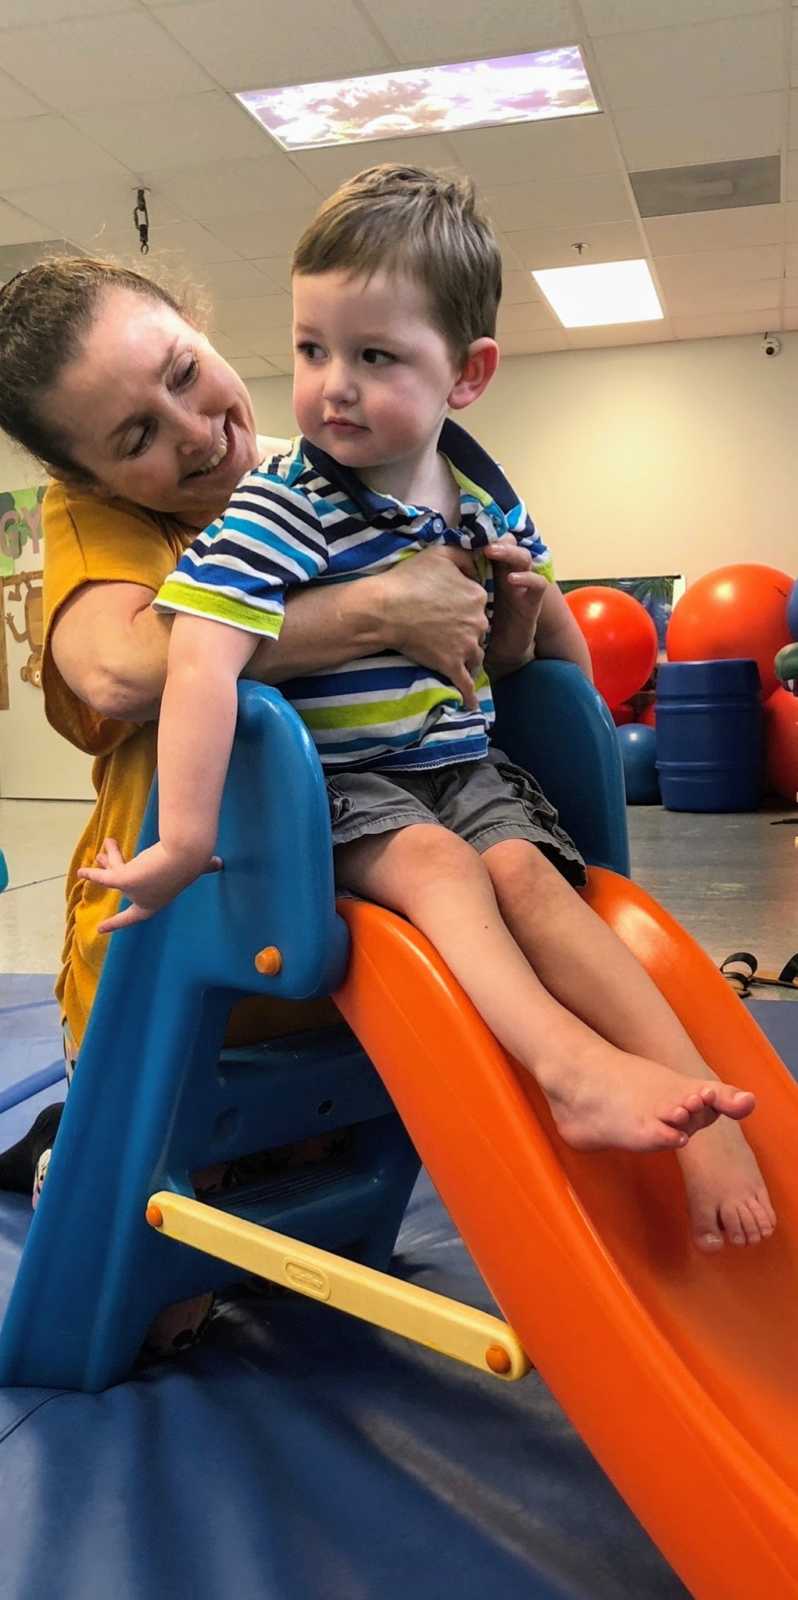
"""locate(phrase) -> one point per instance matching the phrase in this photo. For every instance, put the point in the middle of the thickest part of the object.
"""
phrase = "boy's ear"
(479, 366)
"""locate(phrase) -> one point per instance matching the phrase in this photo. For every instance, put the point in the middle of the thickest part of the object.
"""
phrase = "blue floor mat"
(299, 1455)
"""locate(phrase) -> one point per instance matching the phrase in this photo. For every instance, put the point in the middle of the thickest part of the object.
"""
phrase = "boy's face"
(372, 373)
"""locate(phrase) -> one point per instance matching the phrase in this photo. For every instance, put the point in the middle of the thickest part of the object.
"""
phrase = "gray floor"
(732, 881)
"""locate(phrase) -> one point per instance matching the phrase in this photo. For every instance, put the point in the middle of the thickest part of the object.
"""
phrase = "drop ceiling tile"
(325, 169)
(720, 324)
(257, 237)
(87, 211)
(539, 341)
(743, 55)
(254, 44)
(254, 367)
(234, 280)
(468, 31)
(28, 13)
(175, 247)
(568, 146)
(708, 268)
(791, 216)
(233, 349)
(790, 319)
(554, 247)
(254, 316)
(175, 133)
(627, 333)
(46, 149)
(283, 366)
(518, 288)
(275, 345)
(715, 230)
(511, 260)
(221, 189)
(276, 271)
(689, 131)
(17, 228)
(761, 295)
(527, 317)
(97, 61)
(793, 129)
(626, 16)
(16, 101)
(575, 203)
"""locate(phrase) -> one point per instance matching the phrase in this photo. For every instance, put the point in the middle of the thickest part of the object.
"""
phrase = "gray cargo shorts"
(484, 802)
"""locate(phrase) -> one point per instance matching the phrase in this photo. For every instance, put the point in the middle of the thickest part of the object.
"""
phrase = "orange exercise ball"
(781, 744)
(621, 638)
(738, 611)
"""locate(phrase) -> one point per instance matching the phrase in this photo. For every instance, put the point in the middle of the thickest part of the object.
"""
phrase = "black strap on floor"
(742, 969)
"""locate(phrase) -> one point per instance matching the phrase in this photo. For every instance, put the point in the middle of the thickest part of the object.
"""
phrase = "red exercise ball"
(623, 715)
(738, 611)
(781, 744)
(649, 716)
(620, 636)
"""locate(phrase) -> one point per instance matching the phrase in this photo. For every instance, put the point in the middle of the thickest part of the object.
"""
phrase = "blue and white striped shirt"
(302, 518)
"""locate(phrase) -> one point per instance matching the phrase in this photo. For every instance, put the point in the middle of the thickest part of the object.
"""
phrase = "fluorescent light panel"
(390, 105)
(601, 294)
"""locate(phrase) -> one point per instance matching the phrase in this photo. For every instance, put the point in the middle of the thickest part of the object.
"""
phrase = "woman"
(145, 431)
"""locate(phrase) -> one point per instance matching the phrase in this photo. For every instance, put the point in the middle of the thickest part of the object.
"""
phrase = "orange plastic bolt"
(154, 1216)
(497, 1359)
(269, 961)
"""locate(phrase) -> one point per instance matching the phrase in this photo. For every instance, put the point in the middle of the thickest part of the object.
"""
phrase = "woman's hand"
(149, 881)
(434, 612)
(519, 595)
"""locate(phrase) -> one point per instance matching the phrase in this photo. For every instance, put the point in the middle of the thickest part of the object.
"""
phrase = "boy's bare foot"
(605, 1099)
(726, 1193)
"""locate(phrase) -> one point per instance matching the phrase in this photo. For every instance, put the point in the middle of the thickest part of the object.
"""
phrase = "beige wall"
(35, 763)
(659, 458)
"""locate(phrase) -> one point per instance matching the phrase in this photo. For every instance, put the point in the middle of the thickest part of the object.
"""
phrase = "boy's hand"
(520, 592)
(149, 881)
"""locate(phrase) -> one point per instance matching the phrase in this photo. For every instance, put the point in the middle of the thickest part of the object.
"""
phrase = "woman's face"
(151, 410)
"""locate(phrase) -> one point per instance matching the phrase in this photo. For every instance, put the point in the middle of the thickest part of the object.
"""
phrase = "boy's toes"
(731, 1102)
(748, 1221)
(707, 1235)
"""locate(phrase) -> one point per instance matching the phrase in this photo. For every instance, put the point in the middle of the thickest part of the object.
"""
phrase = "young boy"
(396, 286)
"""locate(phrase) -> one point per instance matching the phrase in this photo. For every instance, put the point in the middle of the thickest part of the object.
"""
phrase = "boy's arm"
(558, 633)
(195, 737)
(531, 618)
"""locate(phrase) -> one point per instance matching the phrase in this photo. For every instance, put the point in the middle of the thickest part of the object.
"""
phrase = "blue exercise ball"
(792, 611)
(639, 753)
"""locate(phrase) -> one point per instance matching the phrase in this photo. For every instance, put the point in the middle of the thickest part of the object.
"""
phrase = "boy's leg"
(599, 1097)
(585, 966)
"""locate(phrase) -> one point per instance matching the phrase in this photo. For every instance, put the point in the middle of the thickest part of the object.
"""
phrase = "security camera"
(771, 346)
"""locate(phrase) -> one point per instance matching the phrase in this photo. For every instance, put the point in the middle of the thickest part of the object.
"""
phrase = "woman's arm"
(111, 647)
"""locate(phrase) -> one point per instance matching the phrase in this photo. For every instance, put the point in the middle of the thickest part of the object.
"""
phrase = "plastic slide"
(679, 1370)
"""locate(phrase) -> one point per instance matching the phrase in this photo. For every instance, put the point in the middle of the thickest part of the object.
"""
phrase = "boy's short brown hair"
(405, 219)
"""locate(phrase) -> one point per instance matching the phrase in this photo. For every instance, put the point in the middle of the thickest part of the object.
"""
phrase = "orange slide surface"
(680, 1371)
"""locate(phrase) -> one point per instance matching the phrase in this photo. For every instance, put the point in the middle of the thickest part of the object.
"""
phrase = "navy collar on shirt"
(463, 452)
